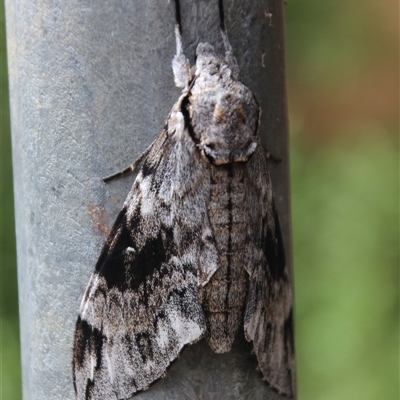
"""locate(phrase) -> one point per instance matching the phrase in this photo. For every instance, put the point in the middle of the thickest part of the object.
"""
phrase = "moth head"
(223, 112)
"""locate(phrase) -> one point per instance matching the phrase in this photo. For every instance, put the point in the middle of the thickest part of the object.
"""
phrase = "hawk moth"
(196, 250)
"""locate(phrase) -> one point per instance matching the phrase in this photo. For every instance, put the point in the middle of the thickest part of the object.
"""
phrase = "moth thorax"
(226, 127)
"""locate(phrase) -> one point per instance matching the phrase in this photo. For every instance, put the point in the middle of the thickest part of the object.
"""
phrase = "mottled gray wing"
(268, 320)
(141, 305)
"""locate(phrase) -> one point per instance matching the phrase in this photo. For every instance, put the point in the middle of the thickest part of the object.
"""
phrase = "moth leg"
(229, 58)
(180, 63)
(270, 157)
(131, 167)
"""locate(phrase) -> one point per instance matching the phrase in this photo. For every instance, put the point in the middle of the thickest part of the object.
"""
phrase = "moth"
(196, 250)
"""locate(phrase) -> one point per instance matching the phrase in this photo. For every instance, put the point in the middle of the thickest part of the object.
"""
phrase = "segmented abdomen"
(224, 295)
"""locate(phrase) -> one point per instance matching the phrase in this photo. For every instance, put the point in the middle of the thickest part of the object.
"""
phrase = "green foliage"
(345, 230)
(10, 375)
(342, 65)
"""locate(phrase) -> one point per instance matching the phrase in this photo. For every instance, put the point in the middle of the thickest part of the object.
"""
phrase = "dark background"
(343, 87)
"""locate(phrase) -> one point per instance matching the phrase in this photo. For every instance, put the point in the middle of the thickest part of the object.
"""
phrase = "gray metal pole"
(91, 86)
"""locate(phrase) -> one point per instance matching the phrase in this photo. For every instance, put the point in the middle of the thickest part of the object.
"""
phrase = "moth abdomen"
(224, 296)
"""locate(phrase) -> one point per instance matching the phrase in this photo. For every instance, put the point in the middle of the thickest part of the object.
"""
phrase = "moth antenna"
(227, 44)
(178, 29)
(178, 15)
(180, 63)
(229, 58)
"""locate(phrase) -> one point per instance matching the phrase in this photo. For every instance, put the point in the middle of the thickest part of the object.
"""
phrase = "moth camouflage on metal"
(196, 250)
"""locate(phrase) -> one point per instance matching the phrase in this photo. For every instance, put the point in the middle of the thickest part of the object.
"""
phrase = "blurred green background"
(343, 85)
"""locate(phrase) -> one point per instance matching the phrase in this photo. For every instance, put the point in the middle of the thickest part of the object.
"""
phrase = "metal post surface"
(91, 86)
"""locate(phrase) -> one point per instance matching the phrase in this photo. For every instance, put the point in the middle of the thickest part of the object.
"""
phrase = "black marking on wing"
(144, 345)
(257, 118)
(116, 276)
(150, 258)
(154, 253)
(114, 231)
(148, 169)
(87, 336)
(188, 122)
(89, 389)
(268, 332)
(274, 250)
(289, 338)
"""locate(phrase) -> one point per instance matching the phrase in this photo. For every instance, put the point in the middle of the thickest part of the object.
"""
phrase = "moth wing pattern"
(141, 306)
(268, 319)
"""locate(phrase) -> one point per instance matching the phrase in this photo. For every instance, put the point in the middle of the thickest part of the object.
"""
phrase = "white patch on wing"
(92, 364)
(180, 125)
(110, 365)
(162, 336)
(147, 206)
(187, 331)
(91, 288)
